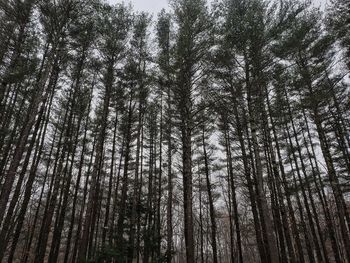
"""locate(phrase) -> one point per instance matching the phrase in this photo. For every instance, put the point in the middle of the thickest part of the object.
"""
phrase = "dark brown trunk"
(309, 191)
(233, 196)
(187, 184)
(125, 182)
(11, 209)
(92, 203)
(261, 199)
(28, 189)
(136, 192)
(248, 176)
(320, 190)
(160, 176)
(295, 232)
(149, 206)
(138, 234)
(210, 200)
(170, 183)
(339, 198)
(116, 189)
(20, 148)
(53, 194)
(110, 184)
(78, 180)
(301, 212)
(82, 209)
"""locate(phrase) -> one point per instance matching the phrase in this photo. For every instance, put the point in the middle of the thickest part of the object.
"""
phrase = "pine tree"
(227, 140)
(338, 23)
(113, 25)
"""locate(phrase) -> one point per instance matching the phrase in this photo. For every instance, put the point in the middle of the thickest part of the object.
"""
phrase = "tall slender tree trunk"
(136, 192)
(92, 204)
(261, 198)
(187, 184)
(344, 218)
(78, 180)
(7, 222)
(110, 184)
(125, 182)
(82, 209)
(20, 148)
(210, 200)
(247, 174)
(57, 176)
(233, 195)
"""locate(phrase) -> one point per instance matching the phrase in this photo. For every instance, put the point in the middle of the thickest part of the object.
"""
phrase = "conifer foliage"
(211, 132)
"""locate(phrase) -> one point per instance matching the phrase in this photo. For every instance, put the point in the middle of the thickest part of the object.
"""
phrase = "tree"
(191, 17)
(166, 83)
(114, 26)
(225, 141)
(338, 23)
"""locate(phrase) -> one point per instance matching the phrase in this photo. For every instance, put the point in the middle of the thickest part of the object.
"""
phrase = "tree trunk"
(92, 204)
(210, 200)
(124, 190)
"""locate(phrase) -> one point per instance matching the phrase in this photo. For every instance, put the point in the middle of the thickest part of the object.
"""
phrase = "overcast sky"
(154, 6)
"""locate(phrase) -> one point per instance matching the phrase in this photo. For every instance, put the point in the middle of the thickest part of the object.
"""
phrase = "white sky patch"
(154, 6)
(151, 6)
